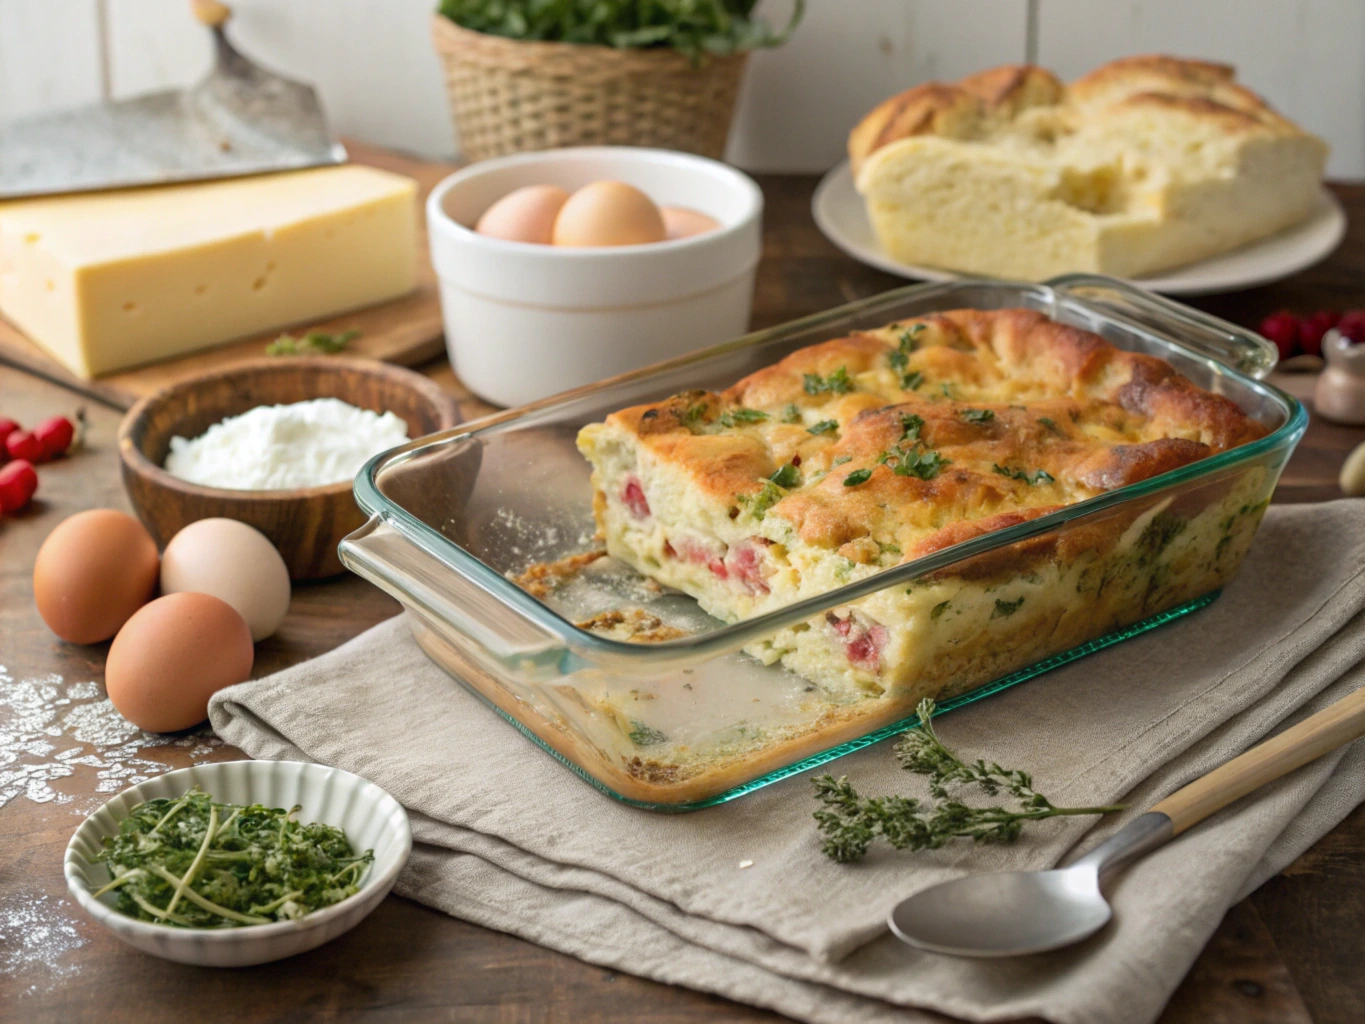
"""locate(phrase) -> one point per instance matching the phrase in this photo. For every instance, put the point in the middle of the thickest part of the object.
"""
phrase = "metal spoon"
(1018, 912)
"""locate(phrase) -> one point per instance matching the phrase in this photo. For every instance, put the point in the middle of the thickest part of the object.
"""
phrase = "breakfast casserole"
(1146, 163)
(884, 446)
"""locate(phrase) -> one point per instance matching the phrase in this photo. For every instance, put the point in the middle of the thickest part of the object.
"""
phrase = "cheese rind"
(112, 280)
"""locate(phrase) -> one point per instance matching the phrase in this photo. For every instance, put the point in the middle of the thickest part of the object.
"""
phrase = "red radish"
(18, 481)
(1352, 326)
(1313, 327)
(7, 427)
(1283, 329)
(55, 436)
(21, 444)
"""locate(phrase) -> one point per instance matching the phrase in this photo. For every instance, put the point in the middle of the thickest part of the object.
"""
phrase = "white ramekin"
(526, 321)
(371, 818)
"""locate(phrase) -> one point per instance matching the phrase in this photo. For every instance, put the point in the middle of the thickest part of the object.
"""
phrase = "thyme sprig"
(200, 864)
(851, 823)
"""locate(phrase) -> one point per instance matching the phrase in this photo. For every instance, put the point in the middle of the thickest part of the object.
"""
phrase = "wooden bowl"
(305, 524)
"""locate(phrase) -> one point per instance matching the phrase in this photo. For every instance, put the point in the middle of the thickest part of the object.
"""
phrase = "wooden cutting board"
(405, 331)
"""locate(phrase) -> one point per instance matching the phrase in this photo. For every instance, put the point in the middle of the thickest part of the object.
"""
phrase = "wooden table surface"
(1289, 953)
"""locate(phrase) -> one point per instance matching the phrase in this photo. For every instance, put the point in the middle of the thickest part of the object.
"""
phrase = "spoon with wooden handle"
(1018, 912)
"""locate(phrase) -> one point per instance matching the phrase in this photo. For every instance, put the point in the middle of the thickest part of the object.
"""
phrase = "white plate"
(841, 216)
(371, 818)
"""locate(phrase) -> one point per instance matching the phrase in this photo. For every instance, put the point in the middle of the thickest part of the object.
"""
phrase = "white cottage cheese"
(277, 447)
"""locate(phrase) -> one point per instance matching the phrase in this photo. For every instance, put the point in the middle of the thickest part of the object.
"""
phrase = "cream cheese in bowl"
(282, 447)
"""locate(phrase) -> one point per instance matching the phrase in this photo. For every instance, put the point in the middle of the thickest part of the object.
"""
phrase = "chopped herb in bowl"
(195, 863)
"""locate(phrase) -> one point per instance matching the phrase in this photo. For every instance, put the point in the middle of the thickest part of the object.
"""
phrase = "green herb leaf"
(742, 416)
(925, 464)
(1004, 609)
(312, 343)
(757, 505)
(977, 415)
(1050, 425)
(645, 735)
(858, 476)
(1041, 476)
(695, 413)
(787, 476)
(824, 427)
(939, 609)
(791, 414)
(840, 460)
(911, 381)
(911, 425)
(837, 383)
(695, 28)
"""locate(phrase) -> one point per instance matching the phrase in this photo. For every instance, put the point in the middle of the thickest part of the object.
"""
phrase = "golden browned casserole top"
(925, 432)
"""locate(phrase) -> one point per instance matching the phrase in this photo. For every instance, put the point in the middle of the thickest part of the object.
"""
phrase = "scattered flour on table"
(278, 447)
(49, 729)
(36, 932)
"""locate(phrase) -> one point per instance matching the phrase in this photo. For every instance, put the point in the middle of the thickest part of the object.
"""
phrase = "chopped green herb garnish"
(758, 504)
(645, 735)
(837, 383)
(841, 460)
(911, 425)
(695, 413)
(787, 476)
(1004, 609)
(197, 863)
(908, 336)
(912, 380)
(977, 415)
(897, 359)
(791, 414)
(939, 609)
(736, 417)
(858, 476)
(947, 389)
(1045, 421)
(824, 427)
(1041, 476)
(924, 464)
(311, 343)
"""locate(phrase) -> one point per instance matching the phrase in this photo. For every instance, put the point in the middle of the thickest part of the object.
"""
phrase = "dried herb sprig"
(850, 823)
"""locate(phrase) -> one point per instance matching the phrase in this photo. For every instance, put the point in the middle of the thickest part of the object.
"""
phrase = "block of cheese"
(1146, 163)
(110, 280)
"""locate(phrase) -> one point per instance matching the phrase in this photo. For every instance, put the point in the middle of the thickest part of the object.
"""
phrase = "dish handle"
(494, 635)
(1229, 344)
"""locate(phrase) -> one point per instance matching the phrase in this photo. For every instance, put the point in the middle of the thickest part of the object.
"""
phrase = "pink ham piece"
(862, 644)
(633, 496)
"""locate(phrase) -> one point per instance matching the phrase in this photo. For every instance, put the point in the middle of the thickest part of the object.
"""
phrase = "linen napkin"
(510, 839)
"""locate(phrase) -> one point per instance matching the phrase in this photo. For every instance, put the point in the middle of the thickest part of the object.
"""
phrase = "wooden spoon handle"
(1330, 728)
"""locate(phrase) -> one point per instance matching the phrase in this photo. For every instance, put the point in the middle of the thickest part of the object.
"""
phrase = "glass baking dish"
(694, 721)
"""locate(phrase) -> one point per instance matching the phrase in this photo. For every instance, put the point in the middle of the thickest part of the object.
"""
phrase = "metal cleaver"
(241, 119)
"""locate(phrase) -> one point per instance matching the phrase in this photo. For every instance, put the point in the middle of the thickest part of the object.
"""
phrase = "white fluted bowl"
(371, 818)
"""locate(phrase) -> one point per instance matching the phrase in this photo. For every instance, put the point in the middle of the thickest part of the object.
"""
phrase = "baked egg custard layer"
(851, 456)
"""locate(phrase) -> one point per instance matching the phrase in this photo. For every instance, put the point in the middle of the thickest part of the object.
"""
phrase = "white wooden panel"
(49, 55)
(370, 60)
(154, 44)
(1307, 57)
(799, 102)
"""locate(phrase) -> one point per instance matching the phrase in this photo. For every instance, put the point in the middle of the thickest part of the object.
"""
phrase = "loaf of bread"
(1144, 164)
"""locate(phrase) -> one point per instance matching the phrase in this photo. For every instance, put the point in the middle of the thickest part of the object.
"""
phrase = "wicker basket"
(510, 95)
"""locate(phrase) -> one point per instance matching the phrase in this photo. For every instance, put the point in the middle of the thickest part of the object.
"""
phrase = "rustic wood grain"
(305, 524)
(1288, 954)
(406, 331)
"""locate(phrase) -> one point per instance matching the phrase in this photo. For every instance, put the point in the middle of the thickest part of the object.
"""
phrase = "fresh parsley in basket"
(695, 28)
(850, 823)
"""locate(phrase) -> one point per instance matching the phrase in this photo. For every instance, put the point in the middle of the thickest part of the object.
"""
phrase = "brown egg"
(93, 572)
(683, 223)
(524, 214)
(172, 656)
(608, 213)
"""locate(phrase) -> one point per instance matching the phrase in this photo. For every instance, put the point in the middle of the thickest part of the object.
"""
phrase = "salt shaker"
(1340, 391)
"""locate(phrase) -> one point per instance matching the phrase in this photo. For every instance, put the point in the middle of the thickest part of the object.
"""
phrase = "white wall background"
(379, 79)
